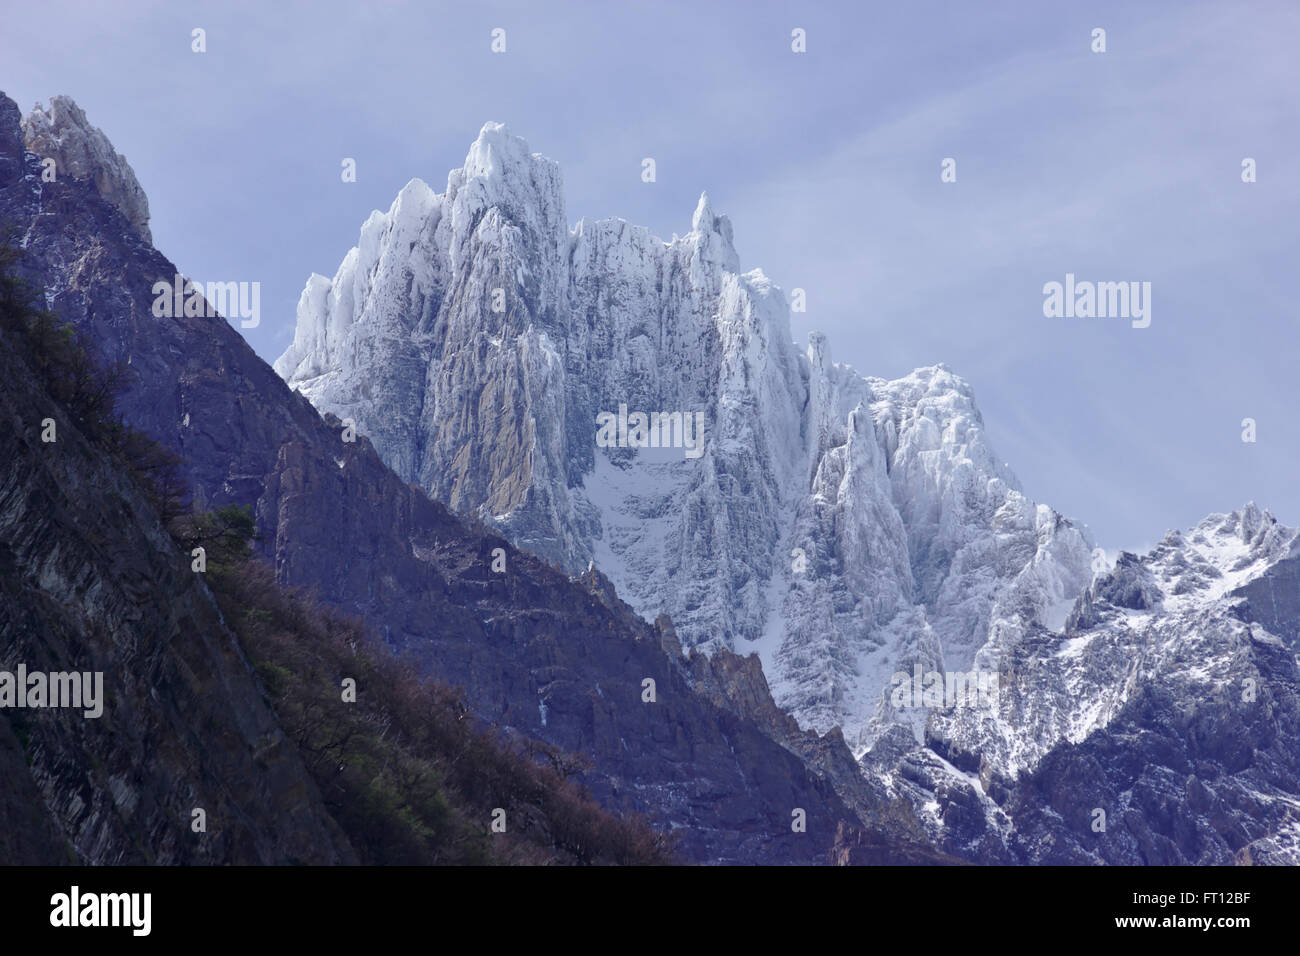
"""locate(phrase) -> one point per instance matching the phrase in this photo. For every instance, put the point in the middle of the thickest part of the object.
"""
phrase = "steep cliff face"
(841, 527)
(90, 582)
(553, 658)
(62, 133)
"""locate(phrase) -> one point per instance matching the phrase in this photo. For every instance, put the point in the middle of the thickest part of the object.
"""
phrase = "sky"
(1115, 166)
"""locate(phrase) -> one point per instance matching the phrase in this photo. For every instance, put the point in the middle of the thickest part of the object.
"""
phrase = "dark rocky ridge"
(1187, 772)
(83, 561)
(1273, 600)
(556, 659)
(1208, 784)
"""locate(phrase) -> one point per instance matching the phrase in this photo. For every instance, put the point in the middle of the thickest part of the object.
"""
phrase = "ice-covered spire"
(506, 171)
(714, 236)
(494, 151)
(526, 189)
(702, 221)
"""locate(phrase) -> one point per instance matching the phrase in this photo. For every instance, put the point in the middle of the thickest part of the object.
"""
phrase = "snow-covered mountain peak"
(853, 532)
(1221, 554)
(839, 526)
(711, 238)
(934, 409)
(702, 219)
(495, 150)
(413, 205)
(500, 168)
(1174, 675)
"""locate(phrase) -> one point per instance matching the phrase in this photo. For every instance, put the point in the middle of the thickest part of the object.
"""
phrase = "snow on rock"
(1169, 656)
(848, 530)
(82, 151)
(842, 527)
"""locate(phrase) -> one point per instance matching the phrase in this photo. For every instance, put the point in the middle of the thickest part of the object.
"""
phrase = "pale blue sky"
(1115, 166)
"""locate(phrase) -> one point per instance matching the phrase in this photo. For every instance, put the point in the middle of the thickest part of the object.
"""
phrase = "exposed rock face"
(13, 164)
(1128, 585)
(78, 149)
(855, 848)
(91, 582)
(1170, 702)
(558, 659)
(841, 527)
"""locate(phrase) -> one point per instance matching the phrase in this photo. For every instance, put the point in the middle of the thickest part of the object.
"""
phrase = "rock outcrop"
(90, 582)
(63, 134)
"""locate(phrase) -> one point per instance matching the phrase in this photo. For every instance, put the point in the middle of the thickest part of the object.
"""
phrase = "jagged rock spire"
(82, 151)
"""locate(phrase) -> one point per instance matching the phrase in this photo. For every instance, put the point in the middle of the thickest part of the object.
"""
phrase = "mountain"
(1157, 726)
(91, 582)
(538, 653)
(848, 530)
(212, 729)
(839, 526)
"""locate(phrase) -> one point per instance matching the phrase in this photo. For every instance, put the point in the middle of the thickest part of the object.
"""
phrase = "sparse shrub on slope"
(402, 766)
(405, 769)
